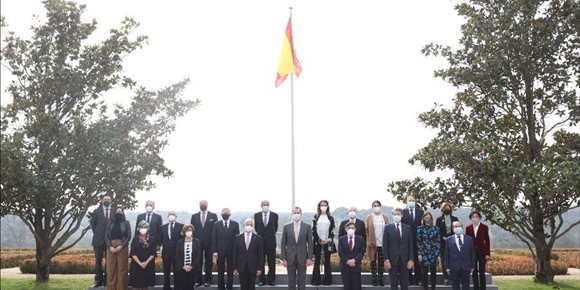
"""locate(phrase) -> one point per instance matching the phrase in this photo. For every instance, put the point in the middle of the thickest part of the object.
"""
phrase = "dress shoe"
(381, 283)
(197, 284)
(206, 284)
(272, 283)
(375, 283)
(262, 283)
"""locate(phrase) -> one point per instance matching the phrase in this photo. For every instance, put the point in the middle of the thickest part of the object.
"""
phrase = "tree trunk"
(544, 271)
(43, 260)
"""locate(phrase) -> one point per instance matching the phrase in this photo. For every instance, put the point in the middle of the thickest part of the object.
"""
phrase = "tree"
(509, 145)
(62, 145)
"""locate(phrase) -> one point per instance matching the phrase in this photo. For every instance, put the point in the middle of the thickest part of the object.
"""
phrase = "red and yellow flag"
(288, 61)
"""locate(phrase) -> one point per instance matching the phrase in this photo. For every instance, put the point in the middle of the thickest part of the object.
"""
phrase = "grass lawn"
(54, 284)
(530, 285)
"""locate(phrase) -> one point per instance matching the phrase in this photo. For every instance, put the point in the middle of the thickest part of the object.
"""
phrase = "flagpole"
(292, 131)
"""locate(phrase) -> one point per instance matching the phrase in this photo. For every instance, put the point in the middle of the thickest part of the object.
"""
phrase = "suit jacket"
(357, 253)
(223, 239)
(395, 247)
(251, 259)
(456, 260)
(99, 225)
(296, 251)
(482, 245)
(360, 229)
(414, 223)
(125, 232)
(268, 232)
(204, 233)
(440, 223)
(371, 238)
(168, 242)
(154, 226)
(195, 254)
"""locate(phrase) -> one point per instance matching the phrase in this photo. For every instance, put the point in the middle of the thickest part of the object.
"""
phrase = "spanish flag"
(288, 61)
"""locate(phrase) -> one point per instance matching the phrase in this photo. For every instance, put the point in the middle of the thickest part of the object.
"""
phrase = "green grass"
(530, 285)
(54, 284)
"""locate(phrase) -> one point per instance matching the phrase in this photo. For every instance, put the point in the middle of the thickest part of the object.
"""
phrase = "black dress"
(140, 277)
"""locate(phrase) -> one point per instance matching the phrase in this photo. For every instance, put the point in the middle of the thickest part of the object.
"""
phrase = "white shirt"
(475, 227)
(457, 241)
(187, 250)
(353, 241)
(379, 223)
(322, 227)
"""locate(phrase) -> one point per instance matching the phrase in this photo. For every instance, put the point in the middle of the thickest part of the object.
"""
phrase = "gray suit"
(296, 253)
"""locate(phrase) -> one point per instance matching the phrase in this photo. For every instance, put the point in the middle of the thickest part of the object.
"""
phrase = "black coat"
(251, 259)
(440, 223)
(360, 229)
(315, 236)
(195, 254)
(223, 239)
(125, 232)
(154, 226)
(99, 224)
(204, 234)
(168, 243)
(268, 233)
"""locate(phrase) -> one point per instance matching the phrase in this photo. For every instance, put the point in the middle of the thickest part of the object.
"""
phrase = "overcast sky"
(363, 84)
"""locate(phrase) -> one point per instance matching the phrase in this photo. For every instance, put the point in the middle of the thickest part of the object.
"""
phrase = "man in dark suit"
(480, 235)
(248, 256)
(459, 257)
(297, 249)
(223, 239)
(99, 220)
(351, 250)
(398, 250)
(203, 222)
(359, 224)
(412, 216)
(170, 234)
(266, 227)
(154, 220)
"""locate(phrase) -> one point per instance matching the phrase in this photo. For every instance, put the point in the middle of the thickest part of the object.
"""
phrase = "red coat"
(482, 245)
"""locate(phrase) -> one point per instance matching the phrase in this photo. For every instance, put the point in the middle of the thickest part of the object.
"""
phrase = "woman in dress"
(322, 235)
(429, 249)
(143, 252)
(375, 225)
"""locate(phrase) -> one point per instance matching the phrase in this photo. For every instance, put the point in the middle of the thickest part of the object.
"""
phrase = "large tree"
(509, 144)
(63, 144)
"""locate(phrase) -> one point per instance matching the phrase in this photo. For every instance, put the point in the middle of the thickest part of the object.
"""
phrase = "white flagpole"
(292, 131)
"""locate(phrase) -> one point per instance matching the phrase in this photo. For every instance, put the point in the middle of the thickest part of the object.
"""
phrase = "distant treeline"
(16, 235)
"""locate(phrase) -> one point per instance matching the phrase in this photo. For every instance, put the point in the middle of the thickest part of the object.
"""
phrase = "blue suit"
(398, 250)
(351, 276)
(460, 262)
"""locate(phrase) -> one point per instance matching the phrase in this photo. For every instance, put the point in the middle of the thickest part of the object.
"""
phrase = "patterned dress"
(428, 244)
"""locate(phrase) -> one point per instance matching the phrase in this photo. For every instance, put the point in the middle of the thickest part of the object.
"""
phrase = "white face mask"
(265, 208)
(189, 234)
(377, 209)
(143, 231)
(397, 218)
(351, 214)
(350, 232)
(411, 204)
(323, 208)
(149, 208)
(249, 229)
(458, 230)
(171, 218)
(296, 217)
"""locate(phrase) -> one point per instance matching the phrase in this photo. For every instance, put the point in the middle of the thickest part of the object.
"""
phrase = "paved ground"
(573, 274)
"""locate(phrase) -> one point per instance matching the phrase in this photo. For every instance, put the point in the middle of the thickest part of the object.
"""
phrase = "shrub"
(519, 265)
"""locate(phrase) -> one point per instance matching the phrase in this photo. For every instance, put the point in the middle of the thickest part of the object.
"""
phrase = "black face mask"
(106, 203)
(225, 216)
(203, 207)
(447, 211)
(119, 216)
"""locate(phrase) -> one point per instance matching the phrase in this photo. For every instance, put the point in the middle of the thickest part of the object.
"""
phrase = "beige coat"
(371, 238)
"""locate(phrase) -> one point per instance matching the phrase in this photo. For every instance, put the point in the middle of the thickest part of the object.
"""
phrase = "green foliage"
(510, 140)
(62, 143)
(53, 284)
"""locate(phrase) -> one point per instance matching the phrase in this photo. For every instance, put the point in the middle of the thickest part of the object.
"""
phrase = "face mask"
(171, 218)
(323, 208)
(447, 211)
(265, 208)
(411, 204)
(397, 218)
(119, 215)
(475, 220)
(350, 232)
(149, 208)
(143, 231)
(427, 221)
(296, 217)
(106, 203)
(225, 216)
(377, 209)
(351, 214)
(188, 234)
(458, 230)
(203, 207)
(249, 229)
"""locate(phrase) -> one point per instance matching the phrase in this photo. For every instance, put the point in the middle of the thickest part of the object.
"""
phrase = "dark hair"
(187, 227)
(474, 212)
(348, 224)
(376, 201)
(318, 207)
(107, 194)
(114, 218)
(427, 213)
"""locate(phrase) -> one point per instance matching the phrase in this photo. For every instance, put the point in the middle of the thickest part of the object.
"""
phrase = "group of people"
(413, 242)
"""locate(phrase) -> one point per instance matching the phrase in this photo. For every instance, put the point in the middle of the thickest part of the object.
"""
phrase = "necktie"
(247, 241)
(226, 225)
(107, 215)
(350, 244)
(170, 230)
(413, 215)
(296, 231)
(203, 220)
(399, 232)
(148, 218)
(265, 219)
(460, 242)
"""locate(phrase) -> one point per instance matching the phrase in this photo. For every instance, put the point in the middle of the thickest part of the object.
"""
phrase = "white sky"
(364, 82)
